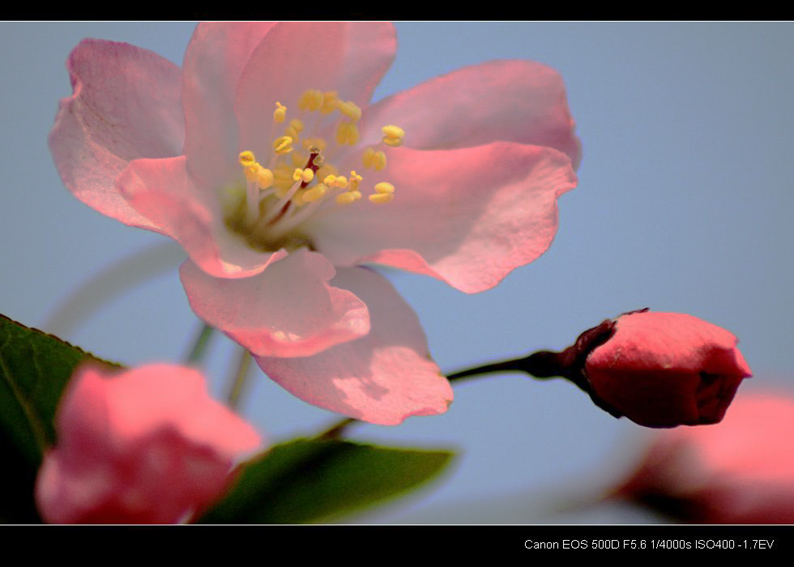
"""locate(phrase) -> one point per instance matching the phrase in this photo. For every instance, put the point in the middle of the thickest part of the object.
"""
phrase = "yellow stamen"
(283, 145)
(347, 133)
(314, 194)
(294, 129)
(247, 158)
(312, 99)
(381, 198)
(328, 103)
(384, 188)
(374, 159)
(355, 179)
(393, 135)
(348, 197)
(264, 177)
(280, 113)
(259, 175)
(304, 175)
(349, 109)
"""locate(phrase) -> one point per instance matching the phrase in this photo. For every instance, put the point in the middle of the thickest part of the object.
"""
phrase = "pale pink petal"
(146, 445)
(291, 58)
(288, 310)
(516, 101)
(346, 57)
(383, 377)
(214, 60)
(163, 192)
(125, 105)
(371, 48)
(467, 216)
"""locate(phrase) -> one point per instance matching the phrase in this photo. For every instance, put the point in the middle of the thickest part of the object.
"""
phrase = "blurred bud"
(665, 369)
(740, 471)
(147, 445)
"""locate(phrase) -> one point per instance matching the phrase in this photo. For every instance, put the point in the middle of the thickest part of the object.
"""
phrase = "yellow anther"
(393, 135)
(355, 179)
(314, 194)
(304, 175)
(247, 158)
(283, 145)
(280, 113)
(349, 109)
(294, 129)
(374, 159)
(347, 133)
(312, 99)
(264, 177)
(328, 103)
(384, 188)
(348, 197)
(340, 181)
(381, 198)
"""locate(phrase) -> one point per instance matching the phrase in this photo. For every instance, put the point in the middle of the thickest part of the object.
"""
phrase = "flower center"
(300, 181)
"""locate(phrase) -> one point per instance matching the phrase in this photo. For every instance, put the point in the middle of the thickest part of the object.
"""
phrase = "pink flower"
(740, 471)
(141, 446)
(264, 158)
(667, 369)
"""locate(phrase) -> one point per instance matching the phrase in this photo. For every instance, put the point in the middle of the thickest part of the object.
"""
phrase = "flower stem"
(540, 365)
(200, 343)
(240, 380)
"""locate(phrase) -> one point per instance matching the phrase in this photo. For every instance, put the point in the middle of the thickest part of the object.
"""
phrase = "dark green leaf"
(313, 480)
(34, 369)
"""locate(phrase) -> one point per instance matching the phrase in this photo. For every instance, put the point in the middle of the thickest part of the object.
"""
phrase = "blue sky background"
(685, 203)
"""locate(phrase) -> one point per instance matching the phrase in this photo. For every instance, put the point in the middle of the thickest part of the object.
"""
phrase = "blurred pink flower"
(740, 471)
(263, 157)
(146, 445)
(667, 369)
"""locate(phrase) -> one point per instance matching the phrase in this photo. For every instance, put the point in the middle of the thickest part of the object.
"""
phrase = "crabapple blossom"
(147, 445)
(266, 159)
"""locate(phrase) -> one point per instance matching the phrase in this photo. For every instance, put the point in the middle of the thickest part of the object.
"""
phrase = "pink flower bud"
(146, 445)
(740, 471)
(666, 369)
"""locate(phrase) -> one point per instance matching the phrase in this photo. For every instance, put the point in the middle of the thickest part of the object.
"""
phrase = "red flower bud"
(740, 471)
(666, 369)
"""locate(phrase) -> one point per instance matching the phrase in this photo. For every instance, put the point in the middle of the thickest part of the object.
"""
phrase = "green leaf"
(34, 369)
(314, 480)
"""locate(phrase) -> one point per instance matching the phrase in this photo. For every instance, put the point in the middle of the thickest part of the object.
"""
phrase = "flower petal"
(382, 377)
(467, 216)
(162, 191)
(512, 100)
(214, 61)
(125, 105)
(289, 310)
(346, 57)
